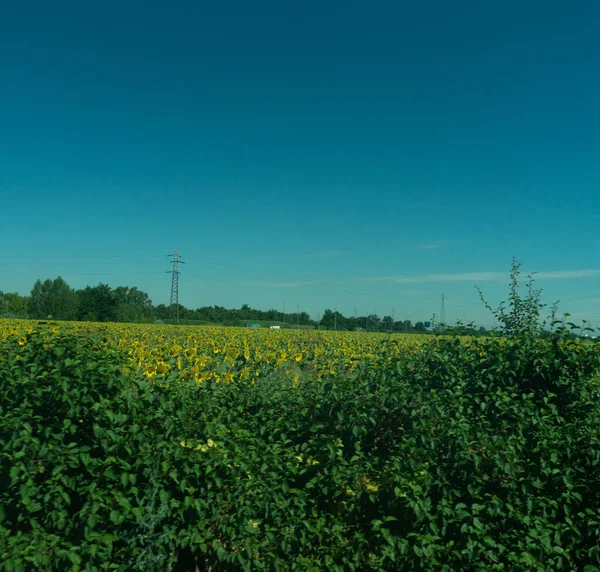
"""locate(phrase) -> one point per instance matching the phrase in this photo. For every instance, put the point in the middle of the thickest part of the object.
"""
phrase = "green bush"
(78, 438)
(482, 454)
(509, 431)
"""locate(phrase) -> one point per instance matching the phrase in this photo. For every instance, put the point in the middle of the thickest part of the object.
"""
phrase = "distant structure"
(174, 303)
(443, 311)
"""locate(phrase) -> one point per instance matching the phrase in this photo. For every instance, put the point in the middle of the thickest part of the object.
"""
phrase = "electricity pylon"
(174, 303)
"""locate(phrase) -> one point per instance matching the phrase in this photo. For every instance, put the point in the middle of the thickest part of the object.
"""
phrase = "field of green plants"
(466, 454)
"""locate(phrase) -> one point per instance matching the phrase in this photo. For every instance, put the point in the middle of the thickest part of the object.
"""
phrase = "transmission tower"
(174, 303)
(443, 311)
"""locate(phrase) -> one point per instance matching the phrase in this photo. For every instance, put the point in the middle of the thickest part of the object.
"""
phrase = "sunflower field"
(146, 447)
(226, 355)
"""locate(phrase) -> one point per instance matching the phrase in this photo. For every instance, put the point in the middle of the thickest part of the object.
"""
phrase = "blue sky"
(361, 154)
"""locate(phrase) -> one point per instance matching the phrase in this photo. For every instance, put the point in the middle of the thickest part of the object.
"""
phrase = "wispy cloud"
(481, 276)
(558, 274)
(292, 284)
(323, 253)
(468, 277)
(437, 244)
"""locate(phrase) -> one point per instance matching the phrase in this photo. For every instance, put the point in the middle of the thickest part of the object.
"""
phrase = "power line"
(44, 263)
(75, 257)
(317, 284)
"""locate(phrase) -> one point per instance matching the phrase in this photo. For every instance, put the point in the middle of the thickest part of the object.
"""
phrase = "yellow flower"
(162, 367)
(22, 341)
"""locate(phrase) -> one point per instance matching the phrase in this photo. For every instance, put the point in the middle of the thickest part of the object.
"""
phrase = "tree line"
(55, 299)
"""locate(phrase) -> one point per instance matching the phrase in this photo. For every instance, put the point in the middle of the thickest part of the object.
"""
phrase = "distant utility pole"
(174, 304)
(443, 311)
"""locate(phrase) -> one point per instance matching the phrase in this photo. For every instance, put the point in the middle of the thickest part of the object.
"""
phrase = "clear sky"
(366, 154)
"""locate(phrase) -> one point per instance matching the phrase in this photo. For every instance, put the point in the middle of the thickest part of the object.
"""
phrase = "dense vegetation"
(468, 454)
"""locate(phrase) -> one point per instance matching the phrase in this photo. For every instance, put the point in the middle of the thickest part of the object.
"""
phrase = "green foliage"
(482, 454)
(97, 304)
(510, 429)
(54, 299)
(523, 315)
(77, 436)
(133, 305)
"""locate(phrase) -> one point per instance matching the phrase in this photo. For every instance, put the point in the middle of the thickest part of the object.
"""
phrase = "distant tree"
(64, 300)
(387, 323)
(373, 322)
(97, 304)
(53, 299)
(186, 313)
(329, 319)
(245, 312)
(133, 305)
(162, 312)
(13, 305)
(420, 327)
(39, 301)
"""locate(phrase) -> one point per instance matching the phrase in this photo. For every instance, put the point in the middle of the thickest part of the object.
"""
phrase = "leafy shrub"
(524, 313)
(77, 437)
(477, 454)
(509, 431)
